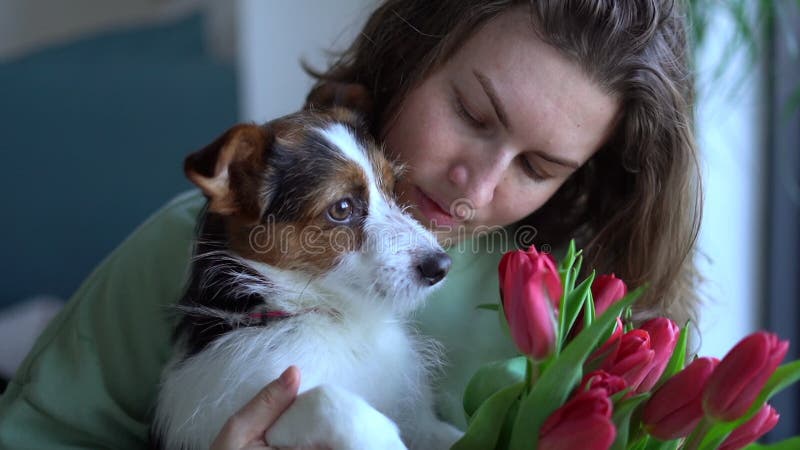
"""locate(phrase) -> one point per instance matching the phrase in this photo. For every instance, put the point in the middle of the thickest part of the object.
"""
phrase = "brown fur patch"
(312, 246)
(304, 238)
(312, 243)
(227, 170)
(388, 172)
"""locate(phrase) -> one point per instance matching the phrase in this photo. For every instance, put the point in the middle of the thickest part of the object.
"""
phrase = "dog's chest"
(377, 360)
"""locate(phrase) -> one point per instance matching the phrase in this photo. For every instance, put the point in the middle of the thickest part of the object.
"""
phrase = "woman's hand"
(246, 428)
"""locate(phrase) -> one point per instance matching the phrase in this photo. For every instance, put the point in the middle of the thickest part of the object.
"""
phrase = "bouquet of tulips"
(588, 380)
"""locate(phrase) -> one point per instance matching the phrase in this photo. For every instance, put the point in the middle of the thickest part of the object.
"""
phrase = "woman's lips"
(431, 209)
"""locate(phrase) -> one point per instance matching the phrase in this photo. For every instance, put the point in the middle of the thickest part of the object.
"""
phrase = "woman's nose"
(477, 181)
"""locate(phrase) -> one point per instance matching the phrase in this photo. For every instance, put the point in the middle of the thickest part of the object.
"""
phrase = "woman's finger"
(248, 425)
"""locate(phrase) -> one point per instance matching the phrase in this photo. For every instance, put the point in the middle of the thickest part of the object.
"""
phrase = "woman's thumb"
(252, 420)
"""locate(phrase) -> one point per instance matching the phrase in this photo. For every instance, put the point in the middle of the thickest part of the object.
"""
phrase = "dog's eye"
(341, 210)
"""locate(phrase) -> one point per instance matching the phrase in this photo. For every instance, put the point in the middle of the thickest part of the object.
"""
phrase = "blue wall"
(92, 139)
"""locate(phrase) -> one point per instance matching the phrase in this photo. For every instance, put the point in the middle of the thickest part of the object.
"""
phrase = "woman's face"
(492, 134)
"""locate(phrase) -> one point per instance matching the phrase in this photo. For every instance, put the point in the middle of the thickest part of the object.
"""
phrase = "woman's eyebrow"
(490, 91)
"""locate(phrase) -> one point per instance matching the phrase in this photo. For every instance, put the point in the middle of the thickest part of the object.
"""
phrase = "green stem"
(696, 438)
(531, 374)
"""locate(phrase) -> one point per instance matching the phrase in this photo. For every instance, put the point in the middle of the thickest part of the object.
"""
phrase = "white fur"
(364, 371)
(373, 370)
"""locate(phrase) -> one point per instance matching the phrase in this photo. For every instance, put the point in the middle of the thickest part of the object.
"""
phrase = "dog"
(304, 258)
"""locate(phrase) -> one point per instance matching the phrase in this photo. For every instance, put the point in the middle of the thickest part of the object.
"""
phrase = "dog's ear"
(225, 169)
(327, 94)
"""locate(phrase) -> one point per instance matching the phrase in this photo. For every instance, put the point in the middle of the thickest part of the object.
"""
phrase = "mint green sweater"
(91, 379)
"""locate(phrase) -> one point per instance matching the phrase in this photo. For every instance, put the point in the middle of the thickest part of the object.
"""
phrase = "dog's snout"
(434, 267)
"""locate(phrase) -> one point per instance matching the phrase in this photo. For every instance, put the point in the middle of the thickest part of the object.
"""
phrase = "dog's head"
(310, 196)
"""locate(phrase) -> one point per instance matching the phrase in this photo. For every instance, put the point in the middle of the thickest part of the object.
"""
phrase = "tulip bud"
(607, 351)
(607, 290)
(676, 407)
(742, 374)
(664, 335)
(583, 422)
(764, 420)
(633, 360)
(602, 380)
(531, 291)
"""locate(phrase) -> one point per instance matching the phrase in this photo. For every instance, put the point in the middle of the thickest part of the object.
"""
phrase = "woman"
(573, 117)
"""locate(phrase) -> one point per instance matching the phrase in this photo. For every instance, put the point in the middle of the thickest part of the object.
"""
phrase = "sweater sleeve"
(91, 379)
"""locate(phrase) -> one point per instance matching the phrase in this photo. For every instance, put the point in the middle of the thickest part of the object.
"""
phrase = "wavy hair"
(635, 206)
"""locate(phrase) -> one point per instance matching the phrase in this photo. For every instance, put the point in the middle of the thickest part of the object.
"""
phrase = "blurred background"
(100, 100)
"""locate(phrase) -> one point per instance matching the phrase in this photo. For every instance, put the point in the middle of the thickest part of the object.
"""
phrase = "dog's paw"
(336, 418)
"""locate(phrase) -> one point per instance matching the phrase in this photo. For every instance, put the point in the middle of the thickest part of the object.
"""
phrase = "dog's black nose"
(434, 267)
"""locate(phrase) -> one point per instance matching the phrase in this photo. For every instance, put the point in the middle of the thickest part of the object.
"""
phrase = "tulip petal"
(593, 432)
(676, 407)
(664, 335)
(606, 290)
(587, 410)
(742, 374)
(634, 358)
(529, 281)
(760, 424)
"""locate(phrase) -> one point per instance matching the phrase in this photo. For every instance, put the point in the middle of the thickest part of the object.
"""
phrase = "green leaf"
(489, 306)
(787, 444)
(501, 319)
(577, 266)
(655, 444)
(716, 435)
(640, 444)
(569, 258)
(567, 282)
(574, 271)
(487, 423)
(678, 359)
(505, 432)
(784, 376)
(560, 377)
(622, 419)
(589, 312)
(573, 305)
(490, 379)
(569, 268)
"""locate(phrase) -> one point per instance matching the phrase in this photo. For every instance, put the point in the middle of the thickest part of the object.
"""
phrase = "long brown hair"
(635, 206)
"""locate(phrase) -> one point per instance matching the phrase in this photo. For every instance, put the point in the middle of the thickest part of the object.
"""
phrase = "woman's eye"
(341, 210)
(470, 118)
(531, 170)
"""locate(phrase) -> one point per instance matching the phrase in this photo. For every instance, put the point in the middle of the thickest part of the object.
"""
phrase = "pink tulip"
(602, 380)
(531, 290)
(664, 335)
(742, 374)
(583, 422)
(764, 420)
(607, 290)
(634, 360)
(607, 351)
(514, 261)
(676, 407)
